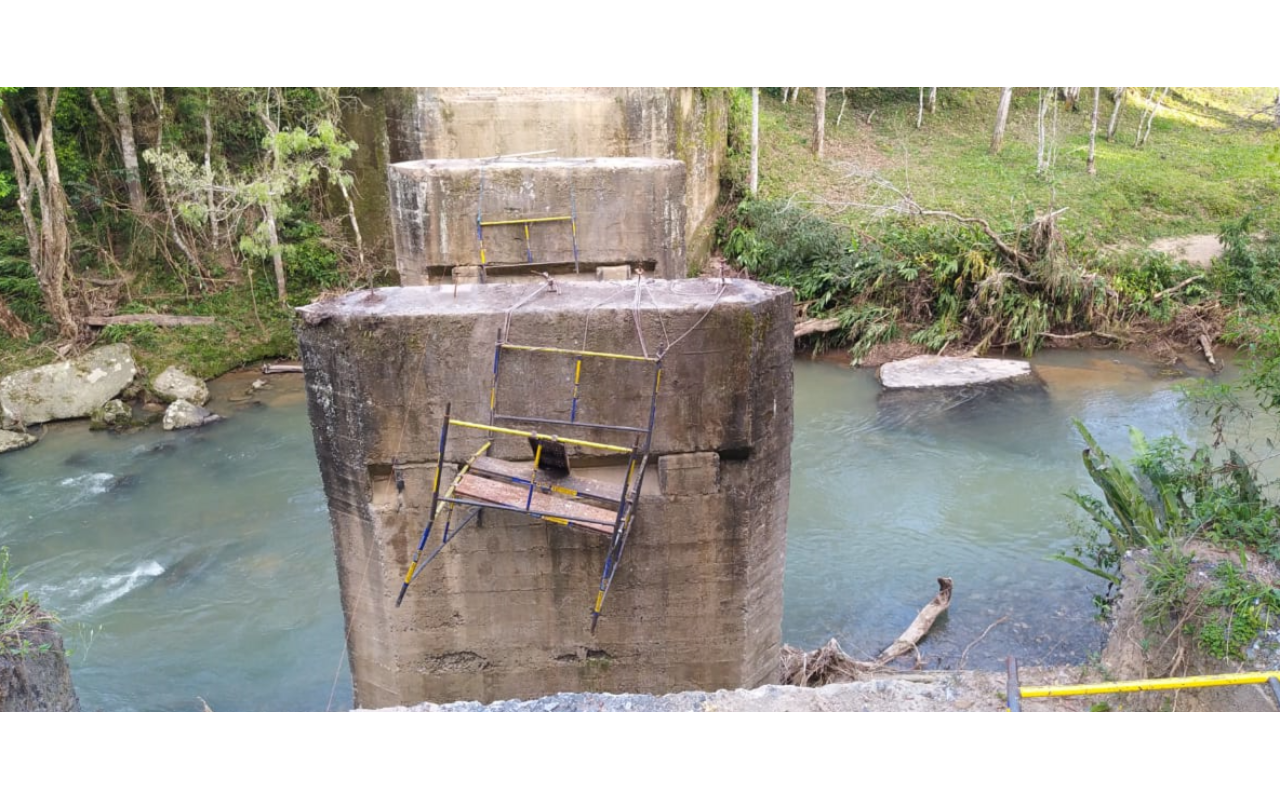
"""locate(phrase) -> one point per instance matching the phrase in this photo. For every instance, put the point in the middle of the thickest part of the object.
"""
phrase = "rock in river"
(12, 440)
(928, 372)
(182, 414)
(66, 390)
(174, 384)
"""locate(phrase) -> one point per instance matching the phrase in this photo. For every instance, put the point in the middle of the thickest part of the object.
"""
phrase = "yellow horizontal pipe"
(619, 356)
(540, 436)
(522, 221)
(1152, 685)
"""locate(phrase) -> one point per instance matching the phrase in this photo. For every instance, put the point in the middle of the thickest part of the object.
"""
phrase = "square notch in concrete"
(688, 474)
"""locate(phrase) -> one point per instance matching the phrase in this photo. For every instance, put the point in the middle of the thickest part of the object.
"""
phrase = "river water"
(199, 564)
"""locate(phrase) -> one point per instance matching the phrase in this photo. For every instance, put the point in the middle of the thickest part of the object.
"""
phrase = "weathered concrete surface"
(183, 414)
(66, 390)
(37, 681)
(12, 440)
(928, 372)
(629, 211)
(684, 123)
(174, 384)
(697, 602)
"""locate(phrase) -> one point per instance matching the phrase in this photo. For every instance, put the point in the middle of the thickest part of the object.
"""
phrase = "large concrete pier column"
(503, 612)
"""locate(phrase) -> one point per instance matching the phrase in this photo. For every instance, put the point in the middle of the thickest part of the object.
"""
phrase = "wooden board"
(547, 505)
(521, 470)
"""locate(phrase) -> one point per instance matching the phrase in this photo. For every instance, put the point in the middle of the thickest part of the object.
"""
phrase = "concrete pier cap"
(583, 212)
(503, 612)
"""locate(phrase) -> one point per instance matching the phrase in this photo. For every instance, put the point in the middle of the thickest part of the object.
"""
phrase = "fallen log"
(830, 664)
(159, 320)
(1207, 347)
(275, 369)
(816, 326)
(916, 631)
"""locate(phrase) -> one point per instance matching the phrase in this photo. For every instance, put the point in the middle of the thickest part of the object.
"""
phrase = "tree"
(42, 203)
(819, 119)
(1118, 96)
(755, 139)
(130, 151)
(1002, 116)
(1093, 131)
(1149, 116)
(294, 157)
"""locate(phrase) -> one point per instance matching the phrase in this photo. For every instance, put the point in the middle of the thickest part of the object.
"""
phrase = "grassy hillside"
(1207, 160)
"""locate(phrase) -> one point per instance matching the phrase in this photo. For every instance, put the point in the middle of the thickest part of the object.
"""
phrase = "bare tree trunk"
(174, 233)
(786, 90)
(1071, 95)
(276, 259)
(1093, 130)
(1277, 109)
(132, 177)
(1047, 98)
(755, 139)
(844, 98)
(208, 170)
(1115, 112)
(819, 119)
(49, 237)
(1002, 116)
(933, 99)
(1149, 116)
(920, 112)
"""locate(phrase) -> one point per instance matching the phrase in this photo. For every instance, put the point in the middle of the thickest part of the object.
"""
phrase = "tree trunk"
(132, 177)
(1276, 112)
(1115, 112)
(819, 119)
(1149, 116)
(920, 112)
(49, 236)
(1071, 95)
(1093, 130)
(755, 140)
(276, 258)
(208, 171)
(1047, 98)
(1002, 116)
(844, 98)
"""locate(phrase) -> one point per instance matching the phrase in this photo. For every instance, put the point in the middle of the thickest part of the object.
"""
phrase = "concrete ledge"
(689, 474)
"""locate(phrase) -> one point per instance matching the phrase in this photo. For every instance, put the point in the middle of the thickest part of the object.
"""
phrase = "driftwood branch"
(1207, 348)
(920, 625)
(816, 326)
(160, 320)
(275, 369)
(830, 664)
(1160, 295)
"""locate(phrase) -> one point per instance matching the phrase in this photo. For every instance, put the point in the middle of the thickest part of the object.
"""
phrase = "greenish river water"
(200, 563)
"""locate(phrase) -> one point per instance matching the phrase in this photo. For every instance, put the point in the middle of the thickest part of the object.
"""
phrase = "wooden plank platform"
(521, 470)
(600, 520)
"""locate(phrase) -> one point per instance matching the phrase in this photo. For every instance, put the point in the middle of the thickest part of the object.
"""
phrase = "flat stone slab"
(930, 372)
(12, 440)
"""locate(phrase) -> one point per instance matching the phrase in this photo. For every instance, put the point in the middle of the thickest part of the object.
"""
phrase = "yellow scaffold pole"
(1150, 685)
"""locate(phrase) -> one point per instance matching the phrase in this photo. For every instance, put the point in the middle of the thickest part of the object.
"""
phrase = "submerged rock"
(182, 414)
(174, 384)
(113, 415)
(66, 390)
(927, 372)
(12, 440)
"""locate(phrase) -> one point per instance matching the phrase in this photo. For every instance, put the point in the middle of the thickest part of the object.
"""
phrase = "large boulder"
(66, 390)
(174, 384)
(12, 440)
(182, 414)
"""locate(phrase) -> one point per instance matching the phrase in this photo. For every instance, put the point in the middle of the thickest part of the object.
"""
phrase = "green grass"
(1205, 161)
